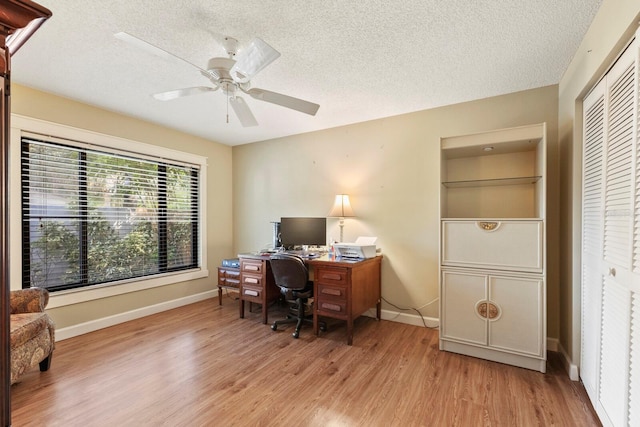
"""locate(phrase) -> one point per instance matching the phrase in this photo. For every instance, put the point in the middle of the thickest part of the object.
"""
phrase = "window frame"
(22, 126)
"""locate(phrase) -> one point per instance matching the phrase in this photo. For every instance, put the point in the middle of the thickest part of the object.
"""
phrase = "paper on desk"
(364, 240)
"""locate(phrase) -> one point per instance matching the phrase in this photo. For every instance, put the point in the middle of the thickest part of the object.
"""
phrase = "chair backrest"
(289, 271)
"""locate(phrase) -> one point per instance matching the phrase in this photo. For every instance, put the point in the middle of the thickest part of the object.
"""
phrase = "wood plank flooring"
(200, 365)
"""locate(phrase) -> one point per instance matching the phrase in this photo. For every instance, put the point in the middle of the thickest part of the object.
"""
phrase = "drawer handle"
(331, 307)
(330, 276)
(250, 280)
(335, 292)
(251, 267)
(251, 293)
(488, 225)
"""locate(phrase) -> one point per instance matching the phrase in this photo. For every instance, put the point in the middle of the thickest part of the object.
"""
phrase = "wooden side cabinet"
(228, 278)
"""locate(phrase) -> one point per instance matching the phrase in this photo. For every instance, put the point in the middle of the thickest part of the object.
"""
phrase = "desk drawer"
(252, 293)
(229, 282)
(252, 280)
(333, 293)
(229, 278)
(252, 266)
(337, 276)
(332, 308)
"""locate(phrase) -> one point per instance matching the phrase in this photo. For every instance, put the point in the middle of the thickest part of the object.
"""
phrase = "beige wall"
(390, 168)
(35, 104)
(612, 28)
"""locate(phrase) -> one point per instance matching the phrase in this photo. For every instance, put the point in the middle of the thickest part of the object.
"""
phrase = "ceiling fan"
(232, 75)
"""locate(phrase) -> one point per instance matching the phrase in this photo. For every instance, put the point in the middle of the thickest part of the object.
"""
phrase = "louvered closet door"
(592, 231)
(610, 273)
(634, 287)
(610, 360)
(621, 123)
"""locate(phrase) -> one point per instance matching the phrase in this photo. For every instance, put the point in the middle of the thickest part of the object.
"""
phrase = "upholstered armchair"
(32, 331)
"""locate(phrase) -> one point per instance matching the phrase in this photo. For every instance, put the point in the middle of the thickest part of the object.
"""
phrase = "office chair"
(292, 277)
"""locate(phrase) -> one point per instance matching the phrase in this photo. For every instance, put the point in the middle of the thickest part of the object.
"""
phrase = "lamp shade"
(341, 207)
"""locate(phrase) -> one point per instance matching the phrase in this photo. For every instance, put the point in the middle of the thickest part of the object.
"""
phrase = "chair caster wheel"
(274, 327)
(296, 334)
(323, 328)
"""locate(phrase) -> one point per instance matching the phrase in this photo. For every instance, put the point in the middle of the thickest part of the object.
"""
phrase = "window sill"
(90, 293)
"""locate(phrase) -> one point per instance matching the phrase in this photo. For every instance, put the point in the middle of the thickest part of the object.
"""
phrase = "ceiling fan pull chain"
(227, 109)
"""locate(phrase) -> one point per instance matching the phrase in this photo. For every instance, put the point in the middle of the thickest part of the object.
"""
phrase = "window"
(94, 215)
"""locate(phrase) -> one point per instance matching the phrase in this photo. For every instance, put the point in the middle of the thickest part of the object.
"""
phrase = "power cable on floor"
(417, 310)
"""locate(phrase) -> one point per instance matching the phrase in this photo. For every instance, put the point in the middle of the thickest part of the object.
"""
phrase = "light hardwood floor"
(201, 365)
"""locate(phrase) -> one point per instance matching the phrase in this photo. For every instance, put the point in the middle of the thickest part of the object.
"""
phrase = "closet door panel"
(592, 235)
(619, 179)
(614, 351)
(634, 362)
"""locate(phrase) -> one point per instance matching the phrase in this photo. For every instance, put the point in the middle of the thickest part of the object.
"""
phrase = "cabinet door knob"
(494, 311)
(482, 310)
(612, 272)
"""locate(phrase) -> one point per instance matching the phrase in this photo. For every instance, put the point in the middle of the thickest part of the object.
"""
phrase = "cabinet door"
(517, 324)
(461, 293)
(501, 245)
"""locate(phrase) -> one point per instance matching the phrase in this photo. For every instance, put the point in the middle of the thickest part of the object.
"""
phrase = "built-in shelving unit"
(493, 246)
(492, 182)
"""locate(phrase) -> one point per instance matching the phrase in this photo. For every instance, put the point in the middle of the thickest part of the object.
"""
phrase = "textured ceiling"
(360, 60)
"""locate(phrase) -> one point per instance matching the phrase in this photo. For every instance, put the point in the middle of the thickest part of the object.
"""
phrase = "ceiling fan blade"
(179, 93)
(243, 112)
(284, 101)
(155, 50)
(252, 59)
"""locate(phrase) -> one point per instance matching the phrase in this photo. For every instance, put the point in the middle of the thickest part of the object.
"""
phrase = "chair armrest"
(31, 300)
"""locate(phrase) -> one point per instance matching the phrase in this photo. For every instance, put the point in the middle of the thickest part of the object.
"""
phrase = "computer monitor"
(300, 231)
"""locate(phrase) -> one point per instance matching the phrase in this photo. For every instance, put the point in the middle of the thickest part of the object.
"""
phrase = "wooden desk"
(345, 290)
(342, 289)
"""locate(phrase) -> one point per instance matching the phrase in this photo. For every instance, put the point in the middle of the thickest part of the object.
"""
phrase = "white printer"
(364, 247)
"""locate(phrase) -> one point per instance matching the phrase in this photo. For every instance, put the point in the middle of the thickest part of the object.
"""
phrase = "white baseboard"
(409, 319)
(105, 322)
(570, 367)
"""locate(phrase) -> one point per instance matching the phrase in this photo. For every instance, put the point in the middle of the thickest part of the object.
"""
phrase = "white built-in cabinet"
(493, 246)
(610, 258)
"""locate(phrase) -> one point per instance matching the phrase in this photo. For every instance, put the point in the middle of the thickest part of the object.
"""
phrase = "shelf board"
(492, 182)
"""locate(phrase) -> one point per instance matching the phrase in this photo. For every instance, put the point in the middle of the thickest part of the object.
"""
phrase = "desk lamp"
(341, 209)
